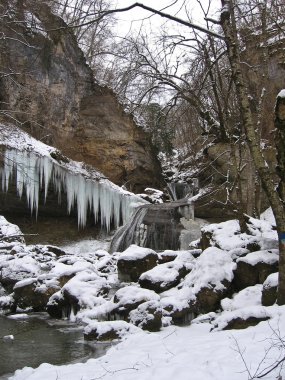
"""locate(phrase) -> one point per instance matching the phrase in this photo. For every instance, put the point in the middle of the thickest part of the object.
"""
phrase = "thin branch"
(145, 7)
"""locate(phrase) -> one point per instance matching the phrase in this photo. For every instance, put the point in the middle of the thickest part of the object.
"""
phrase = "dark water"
(42, 340)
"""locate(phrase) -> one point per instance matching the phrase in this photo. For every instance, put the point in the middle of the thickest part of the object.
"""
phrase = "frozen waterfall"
(33, 173)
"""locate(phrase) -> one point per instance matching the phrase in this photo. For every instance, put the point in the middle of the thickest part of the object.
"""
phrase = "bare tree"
(232, 20)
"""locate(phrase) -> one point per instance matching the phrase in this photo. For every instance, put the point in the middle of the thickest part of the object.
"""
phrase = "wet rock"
(134, 261)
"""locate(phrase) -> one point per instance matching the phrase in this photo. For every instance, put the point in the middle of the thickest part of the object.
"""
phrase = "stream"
(39, 339)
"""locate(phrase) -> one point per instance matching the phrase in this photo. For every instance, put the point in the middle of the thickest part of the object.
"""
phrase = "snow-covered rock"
(255, 267)
(108, 330)
(269, 290)
(134, 261)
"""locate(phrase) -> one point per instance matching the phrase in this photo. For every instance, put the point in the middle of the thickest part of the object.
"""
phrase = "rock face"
(55, 98)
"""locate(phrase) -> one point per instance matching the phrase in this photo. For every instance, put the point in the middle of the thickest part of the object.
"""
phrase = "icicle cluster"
(33, 173)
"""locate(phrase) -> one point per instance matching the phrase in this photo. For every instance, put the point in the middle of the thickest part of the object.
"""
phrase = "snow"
(227, 235)
(271, 281)
(176, 352)
(281, 94)
(132, 294)
(121, 327)
(213, 266)
(265, 256)
(245, 298)
(202, 349)
(162, 273)
(134, 252)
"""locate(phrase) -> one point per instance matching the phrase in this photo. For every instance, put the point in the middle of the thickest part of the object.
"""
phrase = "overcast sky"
(133, 19)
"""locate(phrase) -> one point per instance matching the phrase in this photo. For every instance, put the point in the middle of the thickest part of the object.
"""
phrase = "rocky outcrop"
(50, 90)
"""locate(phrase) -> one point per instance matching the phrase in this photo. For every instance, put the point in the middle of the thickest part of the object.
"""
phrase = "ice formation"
(108, 203)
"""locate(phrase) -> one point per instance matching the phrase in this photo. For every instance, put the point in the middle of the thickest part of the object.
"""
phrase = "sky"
(133, 19)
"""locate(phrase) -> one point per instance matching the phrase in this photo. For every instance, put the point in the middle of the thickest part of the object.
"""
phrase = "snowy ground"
(182, 353)
(201, 351)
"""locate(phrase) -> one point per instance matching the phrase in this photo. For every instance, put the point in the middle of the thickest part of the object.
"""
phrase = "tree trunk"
(268, 185)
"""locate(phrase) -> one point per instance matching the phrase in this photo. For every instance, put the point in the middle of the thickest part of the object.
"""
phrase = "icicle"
(33, 173)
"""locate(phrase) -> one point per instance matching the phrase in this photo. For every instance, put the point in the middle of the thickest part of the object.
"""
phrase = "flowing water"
(38, 339)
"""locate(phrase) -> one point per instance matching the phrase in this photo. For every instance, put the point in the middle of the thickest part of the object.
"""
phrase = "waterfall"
(155, 226)
(34, 173)
(132, 232)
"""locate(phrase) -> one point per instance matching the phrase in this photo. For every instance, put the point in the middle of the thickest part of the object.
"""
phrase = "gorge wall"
(47, 87)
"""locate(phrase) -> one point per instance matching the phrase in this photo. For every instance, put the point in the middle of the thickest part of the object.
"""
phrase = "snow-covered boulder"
(227, 235)
(243, 310)
(134, 261)
(167, 275)
(269, 290)
(160, 278)
(210, 280)
(129, 298)
(147, 316)
(241, 319)
(108, 330)
(83, 291)
(255, 267)
(7, 304)
(31, 293)
(176, 305)
(167, 256)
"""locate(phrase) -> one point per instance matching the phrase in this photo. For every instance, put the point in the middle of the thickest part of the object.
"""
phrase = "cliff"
(47, 87)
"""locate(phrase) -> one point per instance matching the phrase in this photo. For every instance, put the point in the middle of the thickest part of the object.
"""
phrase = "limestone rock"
(59, 94)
